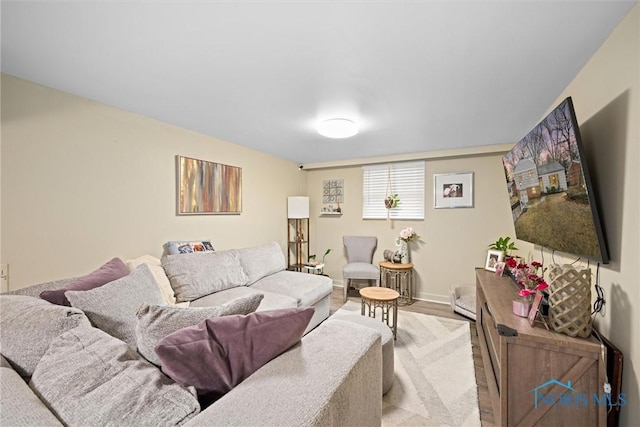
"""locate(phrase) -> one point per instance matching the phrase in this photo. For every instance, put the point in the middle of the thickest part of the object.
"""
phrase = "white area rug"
(435, 382)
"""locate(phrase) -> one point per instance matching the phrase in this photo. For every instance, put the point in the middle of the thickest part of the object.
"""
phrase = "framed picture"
(206, 188)
(533, 313)
(493, 259)
(453, 190)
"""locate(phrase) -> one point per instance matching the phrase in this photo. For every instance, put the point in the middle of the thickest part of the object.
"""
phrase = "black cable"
(599, 303)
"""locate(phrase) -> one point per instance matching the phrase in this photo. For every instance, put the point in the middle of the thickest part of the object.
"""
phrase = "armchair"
(360, 251)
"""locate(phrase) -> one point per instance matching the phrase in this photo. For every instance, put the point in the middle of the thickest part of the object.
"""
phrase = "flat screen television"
(552, 199)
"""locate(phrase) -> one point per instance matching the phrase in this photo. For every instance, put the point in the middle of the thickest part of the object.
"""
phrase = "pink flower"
(407, 234)
(525, 292)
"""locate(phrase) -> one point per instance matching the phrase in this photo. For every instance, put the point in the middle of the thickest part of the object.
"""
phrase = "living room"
(83, 182)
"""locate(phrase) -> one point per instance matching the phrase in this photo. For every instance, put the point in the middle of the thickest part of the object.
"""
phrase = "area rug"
(435, 383)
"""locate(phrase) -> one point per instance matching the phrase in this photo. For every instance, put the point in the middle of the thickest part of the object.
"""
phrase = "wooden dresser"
(531, 366)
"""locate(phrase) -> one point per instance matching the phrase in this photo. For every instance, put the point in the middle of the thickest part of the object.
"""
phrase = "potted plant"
(313, 263)
(505, 245)
(391, 201)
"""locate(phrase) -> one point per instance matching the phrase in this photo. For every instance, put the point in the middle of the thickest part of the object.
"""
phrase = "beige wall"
(83, 182)
(606, 97)
(453, 241)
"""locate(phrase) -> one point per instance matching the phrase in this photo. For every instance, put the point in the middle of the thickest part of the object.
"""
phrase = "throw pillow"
(112, 307)
(203, 273)
(157, 321)
(109, 272)
(27, 326)
(89, 378)
(219, 353)
(155, 265)
(187, 247)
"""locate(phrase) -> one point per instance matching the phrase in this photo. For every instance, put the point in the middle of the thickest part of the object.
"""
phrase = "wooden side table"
(386, 300)
(398, 277)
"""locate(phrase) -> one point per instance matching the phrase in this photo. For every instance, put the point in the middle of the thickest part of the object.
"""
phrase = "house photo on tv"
(550, 192)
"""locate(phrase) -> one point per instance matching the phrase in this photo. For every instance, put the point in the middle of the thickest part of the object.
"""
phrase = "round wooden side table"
(385, 299)
(398, 277)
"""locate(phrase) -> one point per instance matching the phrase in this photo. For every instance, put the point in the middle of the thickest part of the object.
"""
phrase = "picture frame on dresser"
(493, 259)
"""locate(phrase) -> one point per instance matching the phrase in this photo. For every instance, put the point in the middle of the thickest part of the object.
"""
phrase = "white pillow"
(155, 265)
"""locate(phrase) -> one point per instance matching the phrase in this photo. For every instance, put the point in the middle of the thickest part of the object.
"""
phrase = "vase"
(404, 251)
(521, 306)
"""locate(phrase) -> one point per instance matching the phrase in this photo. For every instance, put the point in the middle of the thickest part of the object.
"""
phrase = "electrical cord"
(599, 303)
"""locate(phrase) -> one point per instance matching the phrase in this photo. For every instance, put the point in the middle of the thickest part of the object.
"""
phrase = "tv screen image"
(550, 191)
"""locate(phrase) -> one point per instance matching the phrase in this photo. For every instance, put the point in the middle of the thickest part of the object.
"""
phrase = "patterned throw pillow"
(219, 353)
(157, 321)
(189, 246)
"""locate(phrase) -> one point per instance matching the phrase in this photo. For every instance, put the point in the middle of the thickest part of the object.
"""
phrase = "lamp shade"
(297, 207)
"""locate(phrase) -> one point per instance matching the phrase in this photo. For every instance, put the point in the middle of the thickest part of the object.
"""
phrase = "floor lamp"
(298, 210)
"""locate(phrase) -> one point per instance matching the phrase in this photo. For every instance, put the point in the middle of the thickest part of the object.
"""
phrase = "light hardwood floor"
(442, 310)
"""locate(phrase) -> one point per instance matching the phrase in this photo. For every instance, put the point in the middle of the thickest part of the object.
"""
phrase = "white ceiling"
(417, 76)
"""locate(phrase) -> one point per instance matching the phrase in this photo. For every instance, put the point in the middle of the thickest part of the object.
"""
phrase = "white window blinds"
(406, 179)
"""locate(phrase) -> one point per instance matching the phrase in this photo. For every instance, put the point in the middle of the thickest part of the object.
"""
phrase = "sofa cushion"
(219, 353)
(176, 247)
(157, 321)
(20, 405)
(307, 289)
(271, 301)
(261, 261)
(112, 307)
(155, 265)
(89, 378)
(27, 326)
(108, 272)
(196, 275)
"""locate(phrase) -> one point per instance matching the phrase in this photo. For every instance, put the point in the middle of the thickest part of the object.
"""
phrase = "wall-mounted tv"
(550, 190)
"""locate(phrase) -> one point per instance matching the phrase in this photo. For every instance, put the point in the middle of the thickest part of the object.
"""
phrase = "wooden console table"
(530, 368)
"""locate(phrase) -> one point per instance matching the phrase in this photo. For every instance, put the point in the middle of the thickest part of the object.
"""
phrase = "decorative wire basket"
(570, 301)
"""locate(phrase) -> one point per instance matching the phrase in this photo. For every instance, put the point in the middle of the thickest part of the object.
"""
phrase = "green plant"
(391, 201)
(313, 257)
(504, 244)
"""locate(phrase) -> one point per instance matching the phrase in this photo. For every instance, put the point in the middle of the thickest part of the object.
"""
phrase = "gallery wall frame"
(453, 190)
(207, 188)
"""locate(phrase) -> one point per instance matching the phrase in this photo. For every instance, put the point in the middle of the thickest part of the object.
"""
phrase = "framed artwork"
(332, 196)
(453, 190)
(207, 188)
(493, 259)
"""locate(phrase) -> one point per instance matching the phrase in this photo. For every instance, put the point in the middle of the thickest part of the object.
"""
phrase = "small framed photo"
(453, 190)
(533, 313)
(493, 259)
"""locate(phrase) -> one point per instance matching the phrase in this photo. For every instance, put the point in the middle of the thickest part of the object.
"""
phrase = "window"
(407, 181)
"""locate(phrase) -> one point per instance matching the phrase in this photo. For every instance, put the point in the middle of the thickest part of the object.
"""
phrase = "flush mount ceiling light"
(337, 128)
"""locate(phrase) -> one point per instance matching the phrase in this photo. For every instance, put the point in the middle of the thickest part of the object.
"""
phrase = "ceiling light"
(337, 128)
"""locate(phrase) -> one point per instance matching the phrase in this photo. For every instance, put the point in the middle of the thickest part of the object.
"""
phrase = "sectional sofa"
(116, 354)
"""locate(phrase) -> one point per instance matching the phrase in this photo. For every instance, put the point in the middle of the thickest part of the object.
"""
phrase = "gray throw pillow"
(113, 307)
(27, 326)
(89, 378)
(157, 321)
(195, 275)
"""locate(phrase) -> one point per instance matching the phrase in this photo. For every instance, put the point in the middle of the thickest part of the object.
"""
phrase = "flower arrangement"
(407, 234)
(527, 276)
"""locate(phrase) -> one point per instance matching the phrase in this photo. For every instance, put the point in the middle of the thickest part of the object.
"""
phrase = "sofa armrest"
(332, 377)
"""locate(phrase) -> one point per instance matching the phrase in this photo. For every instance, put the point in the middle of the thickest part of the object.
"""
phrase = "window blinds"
(407, 181)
